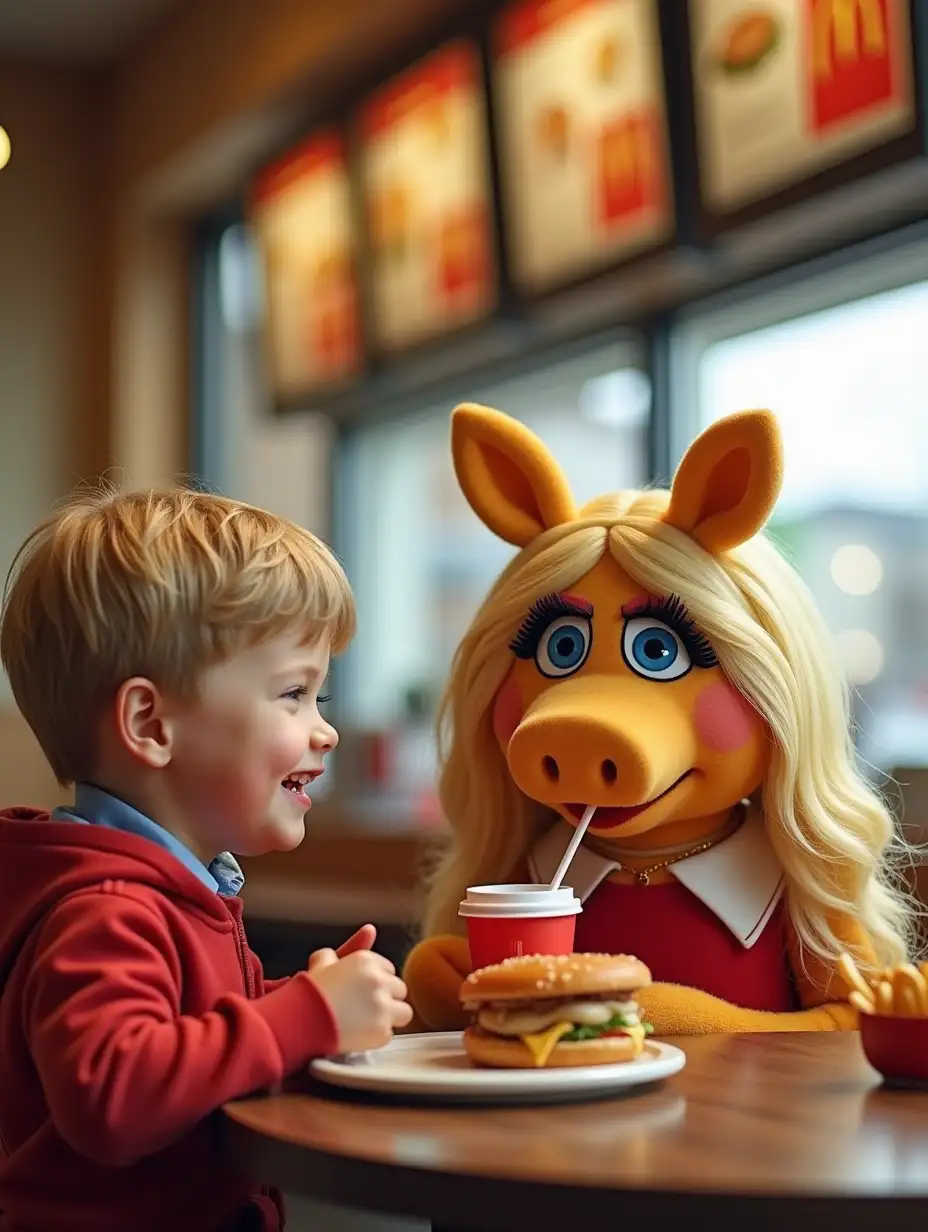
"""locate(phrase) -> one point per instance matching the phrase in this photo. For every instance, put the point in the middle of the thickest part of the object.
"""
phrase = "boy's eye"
(297, 693)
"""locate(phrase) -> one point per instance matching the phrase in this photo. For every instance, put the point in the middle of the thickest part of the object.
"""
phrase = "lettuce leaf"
(615, 1023)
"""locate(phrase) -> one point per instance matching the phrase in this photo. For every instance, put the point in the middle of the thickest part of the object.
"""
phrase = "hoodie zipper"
(241, 941)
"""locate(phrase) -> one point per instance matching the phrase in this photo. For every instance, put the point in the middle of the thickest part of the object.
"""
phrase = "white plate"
(435, 1066)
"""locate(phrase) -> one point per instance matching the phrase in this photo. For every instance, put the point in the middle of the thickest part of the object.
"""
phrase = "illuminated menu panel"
(583, 135)
(425, 163)
(301, 208)
(786, 88)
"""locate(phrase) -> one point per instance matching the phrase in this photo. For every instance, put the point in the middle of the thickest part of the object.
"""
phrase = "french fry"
(911, 988)
(884, 997)
(909, 1007)
(900, 991)
(852, 977)
(862, 1003)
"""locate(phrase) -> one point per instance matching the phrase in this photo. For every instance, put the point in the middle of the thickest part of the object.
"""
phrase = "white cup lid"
(519, 902)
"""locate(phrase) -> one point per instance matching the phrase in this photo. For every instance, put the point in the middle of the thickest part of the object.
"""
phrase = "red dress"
(683, 942)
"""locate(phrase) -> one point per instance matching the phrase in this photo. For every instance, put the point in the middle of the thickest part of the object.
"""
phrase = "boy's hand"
(367, 997)
(363, 939)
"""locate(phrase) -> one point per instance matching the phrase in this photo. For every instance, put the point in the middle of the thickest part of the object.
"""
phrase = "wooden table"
(792, 1132)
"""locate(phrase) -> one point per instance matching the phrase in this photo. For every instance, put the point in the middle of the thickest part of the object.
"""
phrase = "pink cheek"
(507, 711)
(724, 720)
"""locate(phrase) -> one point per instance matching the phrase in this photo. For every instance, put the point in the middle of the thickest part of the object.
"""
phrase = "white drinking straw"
(573, 845)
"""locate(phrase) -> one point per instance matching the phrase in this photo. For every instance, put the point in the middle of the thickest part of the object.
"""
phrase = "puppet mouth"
(607, 817)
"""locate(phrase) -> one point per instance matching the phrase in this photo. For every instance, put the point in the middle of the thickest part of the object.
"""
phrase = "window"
(421, 562)
(849, 383)
(280, 464)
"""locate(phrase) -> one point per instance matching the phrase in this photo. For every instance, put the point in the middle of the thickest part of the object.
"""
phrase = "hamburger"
(542, 1010)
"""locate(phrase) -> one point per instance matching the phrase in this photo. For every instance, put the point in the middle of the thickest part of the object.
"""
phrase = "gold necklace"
(643, 875)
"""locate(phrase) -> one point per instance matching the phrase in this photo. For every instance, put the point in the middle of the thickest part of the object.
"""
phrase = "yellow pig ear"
(510, 478)
(728, 482)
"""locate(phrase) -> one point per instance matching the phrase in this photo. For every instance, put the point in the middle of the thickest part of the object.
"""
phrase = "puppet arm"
(674, 1010)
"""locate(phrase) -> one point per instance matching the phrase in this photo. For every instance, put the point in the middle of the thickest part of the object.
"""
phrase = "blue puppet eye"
(564, 646)
(653, 650)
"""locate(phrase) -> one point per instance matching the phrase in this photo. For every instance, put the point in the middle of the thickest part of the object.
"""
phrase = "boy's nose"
(324, 737)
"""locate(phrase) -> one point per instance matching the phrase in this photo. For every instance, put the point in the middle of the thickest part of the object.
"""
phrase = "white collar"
(740, 881)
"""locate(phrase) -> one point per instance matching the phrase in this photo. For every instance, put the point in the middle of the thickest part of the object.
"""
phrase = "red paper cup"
(506, 921)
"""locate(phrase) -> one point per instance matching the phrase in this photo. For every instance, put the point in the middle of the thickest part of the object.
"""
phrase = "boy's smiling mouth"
(295, 785)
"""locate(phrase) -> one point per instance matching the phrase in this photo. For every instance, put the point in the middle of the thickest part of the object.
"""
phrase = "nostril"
(549, 765)
(610, 771)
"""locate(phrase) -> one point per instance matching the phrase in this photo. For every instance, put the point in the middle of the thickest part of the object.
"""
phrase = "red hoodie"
(131, 1009)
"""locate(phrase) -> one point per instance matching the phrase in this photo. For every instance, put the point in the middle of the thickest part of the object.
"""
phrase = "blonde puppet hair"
(830, 829)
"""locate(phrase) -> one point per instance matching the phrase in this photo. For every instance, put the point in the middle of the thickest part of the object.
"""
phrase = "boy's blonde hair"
(161, 584)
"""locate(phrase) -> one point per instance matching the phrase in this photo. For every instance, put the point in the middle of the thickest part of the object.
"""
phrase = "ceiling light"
(862, 654)
(856, 569)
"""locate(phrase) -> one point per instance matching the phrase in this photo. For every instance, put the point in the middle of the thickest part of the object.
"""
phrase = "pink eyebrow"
(576, 602)
(638, 604)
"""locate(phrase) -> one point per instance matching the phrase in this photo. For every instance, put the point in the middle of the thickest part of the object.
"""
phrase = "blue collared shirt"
(93, 806)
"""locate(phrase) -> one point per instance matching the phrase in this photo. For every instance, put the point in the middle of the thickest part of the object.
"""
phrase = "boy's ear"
(140, 722)
(511, 479)
(728, 482)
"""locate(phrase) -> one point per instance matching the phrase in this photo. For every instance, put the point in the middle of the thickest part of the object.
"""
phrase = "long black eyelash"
(322, 700)
(542, 612)
(672, 611)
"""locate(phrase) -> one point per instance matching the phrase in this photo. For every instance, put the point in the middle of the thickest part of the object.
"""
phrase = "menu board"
(302, 212)
(583, 135)
(787, 88)
(425, 167)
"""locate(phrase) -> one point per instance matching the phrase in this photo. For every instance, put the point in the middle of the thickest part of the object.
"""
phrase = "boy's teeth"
(294, 782)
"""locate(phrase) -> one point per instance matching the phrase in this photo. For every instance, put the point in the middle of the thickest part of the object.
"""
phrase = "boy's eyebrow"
(302, 666)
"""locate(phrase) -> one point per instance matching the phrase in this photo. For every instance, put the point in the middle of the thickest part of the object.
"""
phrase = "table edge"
(462, 1198)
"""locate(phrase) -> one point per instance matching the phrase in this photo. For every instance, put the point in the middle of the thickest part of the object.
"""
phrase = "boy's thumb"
(322, 959)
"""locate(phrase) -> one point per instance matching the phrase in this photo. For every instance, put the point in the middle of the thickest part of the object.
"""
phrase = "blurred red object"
(896, 1047)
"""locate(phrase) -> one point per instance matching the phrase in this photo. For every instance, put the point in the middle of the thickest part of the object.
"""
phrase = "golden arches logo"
(627, 154)
(841, 16)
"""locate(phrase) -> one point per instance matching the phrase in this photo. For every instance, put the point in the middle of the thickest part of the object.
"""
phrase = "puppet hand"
(434, 972)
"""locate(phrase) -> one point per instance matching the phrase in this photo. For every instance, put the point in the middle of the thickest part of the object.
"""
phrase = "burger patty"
(523, 1018)
(543, 1003)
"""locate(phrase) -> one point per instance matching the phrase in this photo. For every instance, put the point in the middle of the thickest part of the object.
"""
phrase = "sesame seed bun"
(500, 1053)
(535, 977)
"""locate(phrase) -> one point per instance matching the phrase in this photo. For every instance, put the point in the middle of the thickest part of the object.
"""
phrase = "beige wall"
(193, 111)
(95, 206)
(48, 204)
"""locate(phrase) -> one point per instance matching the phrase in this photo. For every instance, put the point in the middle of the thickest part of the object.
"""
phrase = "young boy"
(167, 649)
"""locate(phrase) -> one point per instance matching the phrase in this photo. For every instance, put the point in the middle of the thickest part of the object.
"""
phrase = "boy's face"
(255, 723)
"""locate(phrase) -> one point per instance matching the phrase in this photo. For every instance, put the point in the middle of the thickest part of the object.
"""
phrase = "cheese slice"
(637, 1033)
(542, 1043)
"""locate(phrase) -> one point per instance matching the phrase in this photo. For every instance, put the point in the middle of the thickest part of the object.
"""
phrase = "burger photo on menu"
(551, 1011)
